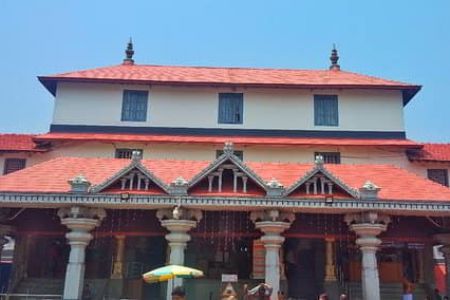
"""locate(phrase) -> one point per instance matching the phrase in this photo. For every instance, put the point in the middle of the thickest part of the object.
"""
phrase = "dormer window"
(326, 111)
(231, 108)
(134, 106)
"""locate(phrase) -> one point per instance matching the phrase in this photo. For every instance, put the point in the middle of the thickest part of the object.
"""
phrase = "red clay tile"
(52, 176)
(431, 152)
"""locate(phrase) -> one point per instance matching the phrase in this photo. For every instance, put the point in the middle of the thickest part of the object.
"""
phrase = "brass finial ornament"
(334, 58)
(129, 52)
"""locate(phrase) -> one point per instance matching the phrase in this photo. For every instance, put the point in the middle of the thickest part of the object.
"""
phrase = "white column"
(119, 258)
(272, 224)
(80, 221)
(178, 222)
(368, 226)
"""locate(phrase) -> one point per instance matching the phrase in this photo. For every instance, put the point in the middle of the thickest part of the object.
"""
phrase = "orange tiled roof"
(237, 140)
(431, 152)
(52, 176)
(258, 77)
(18, 142)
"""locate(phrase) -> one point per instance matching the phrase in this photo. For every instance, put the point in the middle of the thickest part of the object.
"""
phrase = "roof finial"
(129, 54)
(334, 59)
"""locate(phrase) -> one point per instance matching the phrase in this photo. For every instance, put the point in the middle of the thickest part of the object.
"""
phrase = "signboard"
(229, 278)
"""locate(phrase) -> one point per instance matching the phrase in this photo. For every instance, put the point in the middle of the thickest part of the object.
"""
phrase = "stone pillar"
(80, 221)
(272, 223)
(178, 222)
(330, 266)
(367, 227)
(118, 267)
(330, 281)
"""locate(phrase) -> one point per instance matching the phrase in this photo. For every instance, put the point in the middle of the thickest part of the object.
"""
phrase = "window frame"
(132, 114)
(130, 150)
(7, 161)
(329, 154)
(226, 98)
(325, 118)
(445, 173)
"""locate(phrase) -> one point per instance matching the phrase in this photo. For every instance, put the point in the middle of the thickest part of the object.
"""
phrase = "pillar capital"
(179, 213)
(272, 215)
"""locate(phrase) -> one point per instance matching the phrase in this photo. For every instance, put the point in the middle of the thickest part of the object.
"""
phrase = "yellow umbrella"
(170, 272)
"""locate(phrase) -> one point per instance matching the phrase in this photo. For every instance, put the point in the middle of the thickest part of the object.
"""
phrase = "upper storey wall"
(101, 104)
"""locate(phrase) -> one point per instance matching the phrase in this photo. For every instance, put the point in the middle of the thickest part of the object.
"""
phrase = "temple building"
(303, 179)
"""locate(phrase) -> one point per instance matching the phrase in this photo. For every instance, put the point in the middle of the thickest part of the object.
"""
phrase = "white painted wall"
(100, 104)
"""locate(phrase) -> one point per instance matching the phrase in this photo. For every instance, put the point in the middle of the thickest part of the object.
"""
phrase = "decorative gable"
(133, 178)
(228, 174)
(320, 182)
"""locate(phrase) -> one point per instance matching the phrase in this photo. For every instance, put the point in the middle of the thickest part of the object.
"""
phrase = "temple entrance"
(304, 267)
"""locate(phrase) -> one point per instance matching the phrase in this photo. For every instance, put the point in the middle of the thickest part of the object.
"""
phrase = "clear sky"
(407, 40)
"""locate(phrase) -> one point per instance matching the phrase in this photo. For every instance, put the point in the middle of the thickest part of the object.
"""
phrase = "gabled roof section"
(134, 177)
(229, 76)
(396, 184)
(227, 156)
(10, 142)
(326, 184)
(430, 153)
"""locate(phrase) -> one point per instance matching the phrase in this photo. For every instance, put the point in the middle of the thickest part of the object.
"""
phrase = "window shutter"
(13, 164)
(326, 110)
(134, 105)
(438, 175)
(231, 108)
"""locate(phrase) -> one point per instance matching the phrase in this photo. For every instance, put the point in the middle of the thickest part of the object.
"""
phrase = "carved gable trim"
(228, 155)
(320, 171)
(135, 165)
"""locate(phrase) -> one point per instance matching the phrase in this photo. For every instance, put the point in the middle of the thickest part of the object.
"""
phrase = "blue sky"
(402, 40)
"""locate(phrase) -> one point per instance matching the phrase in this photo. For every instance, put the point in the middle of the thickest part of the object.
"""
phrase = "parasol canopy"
(170, 272)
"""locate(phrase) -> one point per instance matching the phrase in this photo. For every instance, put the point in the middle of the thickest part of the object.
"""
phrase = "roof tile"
(431, 153)
(52, 176)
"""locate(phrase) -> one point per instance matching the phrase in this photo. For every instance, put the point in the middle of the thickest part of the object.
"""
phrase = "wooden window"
(231, 108)
(13, 164)
(329, 157)
(127, 153)
(239, 154)
(326, 110)
(438, 175)
(134, 106)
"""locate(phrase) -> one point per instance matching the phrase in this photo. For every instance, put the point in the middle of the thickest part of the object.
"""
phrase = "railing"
(7, 296)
